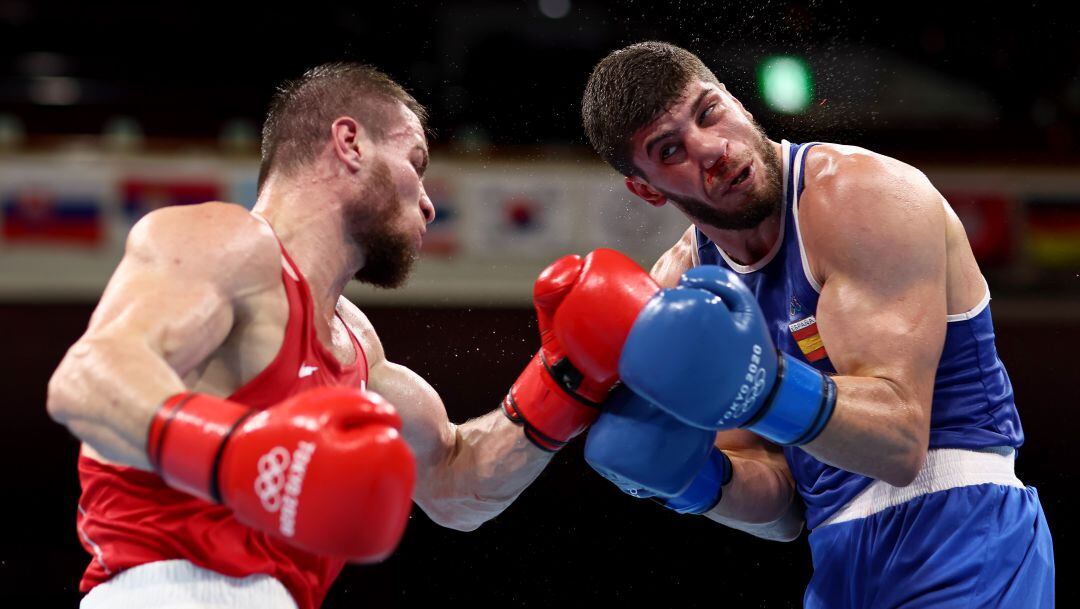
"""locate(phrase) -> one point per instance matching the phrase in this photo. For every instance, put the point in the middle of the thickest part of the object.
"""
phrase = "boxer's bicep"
(425, 424)
(897, 339)
(181, 320)
(882, 320)
(443, 462)
(465, 474)
(182, 274)
(167, 307)
(876, 231)
(882, 310)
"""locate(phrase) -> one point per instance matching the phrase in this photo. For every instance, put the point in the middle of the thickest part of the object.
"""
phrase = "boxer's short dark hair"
(302, 110)
(629, 89)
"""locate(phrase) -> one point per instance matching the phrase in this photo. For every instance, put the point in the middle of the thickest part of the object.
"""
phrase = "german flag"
(805, 333)
(1053, 231)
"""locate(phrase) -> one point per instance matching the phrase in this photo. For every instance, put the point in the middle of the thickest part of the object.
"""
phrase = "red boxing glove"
(327, 470)
(584, 308)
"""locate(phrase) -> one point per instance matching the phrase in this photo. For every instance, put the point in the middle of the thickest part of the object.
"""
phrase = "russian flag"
(40, 216)
(144, 196)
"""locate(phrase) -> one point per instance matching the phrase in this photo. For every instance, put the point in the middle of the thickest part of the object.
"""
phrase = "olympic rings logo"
(271, 480)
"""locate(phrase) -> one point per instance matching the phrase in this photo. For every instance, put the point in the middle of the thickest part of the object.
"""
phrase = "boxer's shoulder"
(220, 241)
(842, 178)
(216, 216)
(856, 200)
(676, 261)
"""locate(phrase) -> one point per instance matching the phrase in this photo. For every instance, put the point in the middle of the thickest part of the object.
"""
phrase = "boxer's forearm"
(760, 499)
(106, 391)
(876, 430)
(785, 528)
(491, 464)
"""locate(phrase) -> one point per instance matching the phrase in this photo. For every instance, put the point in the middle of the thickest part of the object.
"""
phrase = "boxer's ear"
(349, 141)
(645, 192)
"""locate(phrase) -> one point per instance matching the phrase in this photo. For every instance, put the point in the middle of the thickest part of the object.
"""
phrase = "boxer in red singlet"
(233, 455)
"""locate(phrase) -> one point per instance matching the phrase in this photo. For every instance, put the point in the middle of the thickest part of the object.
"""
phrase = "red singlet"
(128, 517)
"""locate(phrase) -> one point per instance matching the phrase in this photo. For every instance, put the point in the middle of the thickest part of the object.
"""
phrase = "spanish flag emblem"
(805, 333)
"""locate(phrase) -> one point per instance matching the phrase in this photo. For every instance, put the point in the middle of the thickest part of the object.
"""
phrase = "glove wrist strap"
(551, 414)
(799, 405)
(186, 439)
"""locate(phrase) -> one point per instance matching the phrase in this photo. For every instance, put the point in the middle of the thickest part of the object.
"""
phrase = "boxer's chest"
(257, 341)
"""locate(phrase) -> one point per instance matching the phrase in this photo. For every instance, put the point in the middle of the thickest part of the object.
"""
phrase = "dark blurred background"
(985, 99)
(1003, 80)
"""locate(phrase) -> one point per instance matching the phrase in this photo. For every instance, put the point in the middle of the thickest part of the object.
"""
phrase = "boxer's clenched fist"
(326, 470)
(743, 381)
(584, 308)
(647, 453)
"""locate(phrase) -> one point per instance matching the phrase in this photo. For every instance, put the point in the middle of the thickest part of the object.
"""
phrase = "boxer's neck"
(309, 221)
(749, 245)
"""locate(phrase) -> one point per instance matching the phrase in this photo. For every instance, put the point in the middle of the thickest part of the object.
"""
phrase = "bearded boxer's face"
(394, 210)
(708, 157)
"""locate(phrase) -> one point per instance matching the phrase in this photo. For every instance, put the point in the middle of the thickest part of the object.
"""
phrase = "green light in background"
(785, 83)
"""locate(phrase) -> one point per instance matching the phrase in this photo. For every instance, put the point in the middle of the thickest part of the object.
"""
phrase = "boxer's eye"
(707, 112)
(420, 167)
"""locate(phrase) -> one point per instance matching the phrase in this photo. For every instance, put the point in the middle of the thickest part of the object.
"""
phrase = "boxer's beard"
(388, 255)
(759, 205)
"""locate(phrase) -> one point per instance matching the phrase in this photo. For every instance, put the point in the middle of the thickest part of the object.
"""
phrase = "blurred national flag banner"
(40, 215)
(142, 196)
(986, 217)
(443, 237)
(1053, 231)
(521, 215)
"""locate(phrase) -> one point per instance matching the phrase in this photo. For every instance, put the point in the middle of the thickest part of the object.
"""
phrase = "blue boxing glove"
(647, 453)
(703, 352)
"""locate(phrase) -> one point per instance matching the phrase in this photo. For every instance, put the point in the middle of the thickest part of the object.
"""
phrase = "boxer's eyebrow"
(694, 110)
(652, 142)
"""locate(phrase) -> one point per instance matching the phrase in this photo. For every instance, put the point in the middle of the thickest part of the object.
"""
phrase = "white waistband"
(944, 468)
(179, 584)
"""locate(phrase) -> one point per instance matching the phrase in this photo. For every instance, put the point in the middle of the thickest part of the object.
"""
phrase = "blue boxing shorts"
(965, 534)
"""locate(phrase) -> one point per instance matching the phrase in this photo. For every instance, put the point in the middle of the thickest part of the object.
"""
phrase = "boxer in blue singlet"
(824, 354)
